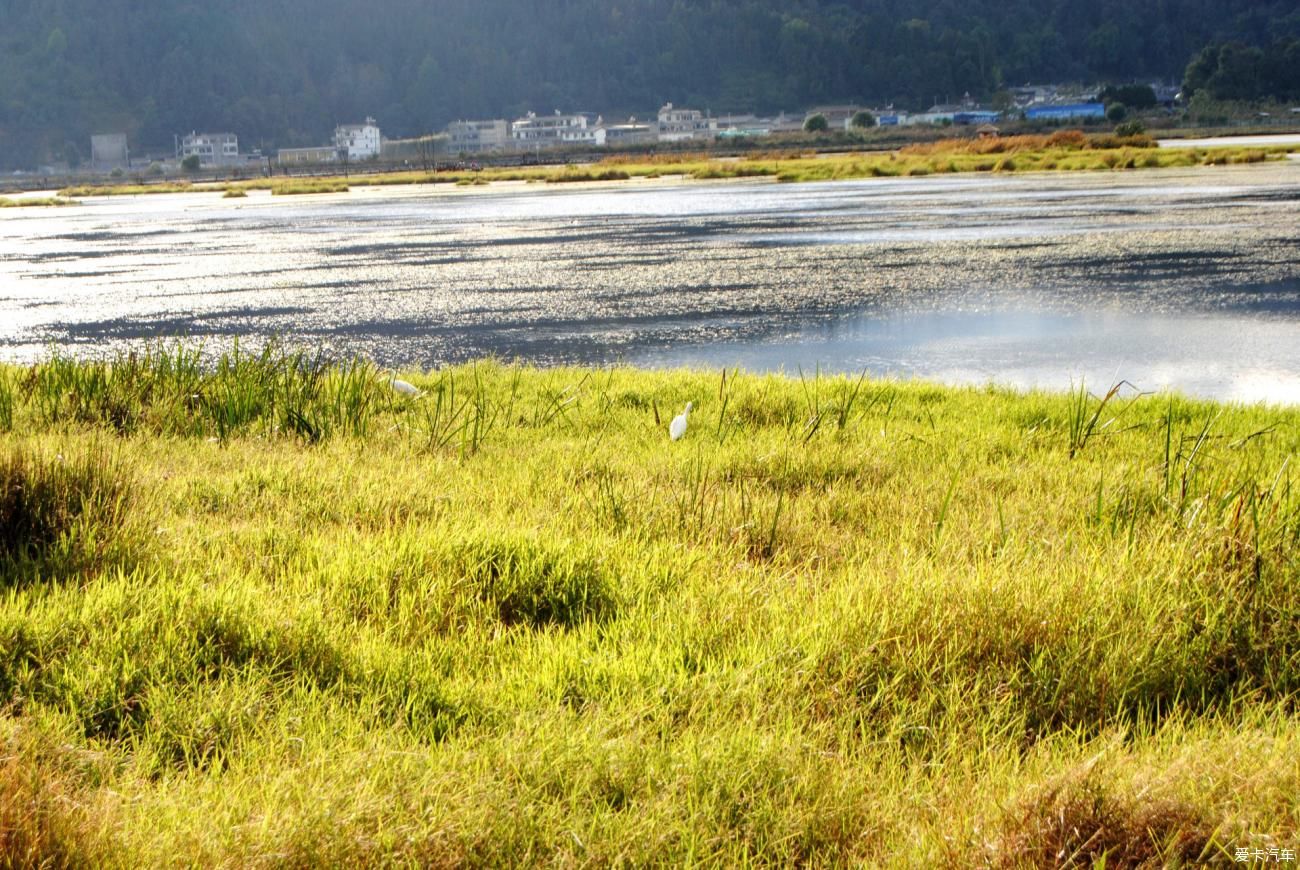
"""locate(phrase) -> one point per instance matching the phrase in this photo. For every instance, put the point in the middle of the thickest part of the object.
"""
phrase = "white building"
(212, 149)
(478, 137)
(307, 156)
(549, 131)
(676, 124)
(358, 141)
(593, 135)
(631, 133)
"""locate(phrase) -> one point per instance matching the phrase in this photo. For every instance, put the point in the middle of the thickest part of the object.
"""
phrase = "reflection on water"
(1183, 278)
(1234, 358)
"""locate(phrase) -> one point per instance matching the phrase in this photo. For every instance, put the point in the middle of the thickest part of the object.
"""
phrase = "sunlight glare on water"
(1186, 279)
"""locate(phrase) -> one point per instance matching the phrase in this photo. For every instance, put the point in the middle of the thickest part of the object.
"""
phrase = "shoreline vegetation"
(36, 202)
(262, 608)
(1064, 151)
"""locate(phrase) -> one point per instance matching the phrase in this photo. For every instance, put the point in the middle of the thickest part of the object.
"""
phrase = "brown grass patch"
(1076, 821)
(1071, 140)
(41, 822)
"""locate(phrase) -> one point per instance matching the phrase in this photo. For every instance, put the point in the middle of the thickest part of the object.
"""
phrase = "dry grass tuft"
(42, 824)
(1077, 821)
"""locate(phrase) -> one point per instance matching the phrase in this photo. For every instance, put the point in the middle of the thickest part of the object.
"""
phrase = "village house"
(478, 137)
(676, 125)
(630, 133)
(306, 156)
(212, 149)
(358, 141)
(547, 131)
(837, 117)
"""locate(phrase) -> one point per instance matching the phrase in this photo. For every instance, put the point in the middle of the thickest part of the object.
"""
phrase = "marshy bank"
(278, 612)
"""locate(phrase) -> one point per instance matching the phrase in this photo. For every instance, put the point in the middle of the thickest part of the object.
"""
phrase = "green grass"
(36, 202)
(274, 613)
(309, 185)
(136, 189)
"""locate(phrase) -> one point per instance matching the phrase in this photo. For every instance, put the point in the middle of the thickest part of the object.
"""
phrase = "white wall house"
(478, 137)
(677, 124)
(631, 133)
(212, 149)
(307, 156)
(358, 141)
(548, 131)
(590, 134)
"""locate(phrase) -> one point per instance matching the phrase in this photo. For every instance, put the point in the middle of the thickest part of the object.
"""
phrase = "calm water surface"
(1183, 279)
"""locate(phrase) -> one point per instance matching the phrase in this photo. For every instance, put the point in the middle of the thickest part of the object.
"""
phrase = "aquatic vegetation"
(36, 202)
(510, 619)
(134, 189)
(298, 186)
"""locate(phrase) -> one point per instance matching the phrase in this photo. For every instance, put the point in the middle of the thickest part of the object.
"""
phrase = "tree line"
(284, 72)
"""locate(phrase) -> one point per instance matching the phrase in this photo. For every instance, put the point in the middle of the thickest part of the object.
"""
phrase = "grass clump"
(178, 390)
(1079, 821)
(235, 193)
(841, 621)
(46, 500)
(132, 189)
(36, 202)
(303, 186)
(531, 584)
(42, 822)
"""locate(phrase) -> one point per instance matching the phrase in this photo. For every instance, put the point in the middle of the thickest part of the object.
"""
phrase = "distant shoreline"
(1066, 151)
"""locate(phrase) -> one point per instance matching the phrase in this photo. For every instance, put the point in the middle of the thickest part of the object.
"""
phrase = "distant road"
(1218, 141)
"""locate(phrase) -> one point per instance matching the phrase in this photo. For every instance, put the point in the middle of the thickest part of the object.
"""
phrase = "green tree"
(191, 163)
(1137, 97)
(816, 124)
(861, 120)
(1117, 112)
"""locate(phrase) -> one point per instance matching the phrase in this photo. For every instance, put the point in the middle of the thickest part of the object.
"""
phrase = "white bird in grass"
(403, 387)
(677, 428)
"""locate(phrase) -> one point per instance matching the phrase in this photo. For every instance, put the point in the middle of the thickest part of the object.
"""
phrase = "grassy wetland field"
(263, 609)
(1063, 151)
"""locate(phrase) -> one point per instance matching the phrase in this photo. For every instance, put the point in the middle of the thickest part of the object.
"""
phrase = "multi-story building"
(678, 124)
(358, 141)
(478, 137)
(548, 131)
(212, 149)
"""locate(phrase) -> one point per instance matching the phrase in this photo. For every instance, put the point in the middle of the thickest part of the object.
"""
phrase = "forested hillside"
(281, 72)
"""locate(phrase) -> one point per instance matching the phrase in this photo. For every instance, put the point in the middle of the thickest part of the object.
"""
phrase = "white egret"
(677, 428)
(400, 386)
(405, 388)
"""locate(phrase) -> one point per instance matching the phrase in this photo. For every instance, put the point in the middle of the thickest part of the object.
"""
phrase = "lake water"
(1188, 279)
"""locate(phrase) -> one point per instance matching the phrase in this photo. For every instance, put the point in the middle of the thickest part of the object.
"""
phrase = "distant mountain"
(283, 72)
